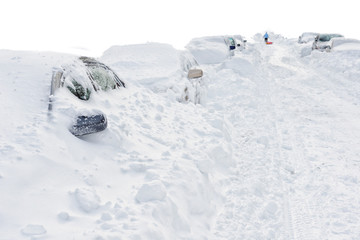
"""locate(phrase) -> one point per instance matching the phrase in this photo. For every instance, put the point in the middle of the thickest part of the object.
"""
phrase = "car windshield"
(327, 37)
(232, 42)
(104, 78)
(324, 38)
(77, 81)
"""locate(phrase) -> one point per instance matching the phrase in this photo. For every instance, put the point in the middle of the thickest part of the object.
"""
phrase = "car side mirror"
(195, 73)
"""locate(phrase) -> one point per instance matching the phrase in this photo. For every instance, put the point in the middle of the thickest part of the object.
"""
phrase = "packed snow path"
(295, 136)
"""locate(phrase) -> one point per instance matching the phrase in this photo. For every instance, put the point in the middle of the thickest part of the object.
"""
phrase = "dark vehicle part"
(97, 72)
(232, 44)
(88, 124)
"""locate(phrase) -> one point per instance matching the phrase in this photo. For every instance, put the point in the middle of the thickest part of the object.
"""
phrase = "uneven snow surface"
(274, 153)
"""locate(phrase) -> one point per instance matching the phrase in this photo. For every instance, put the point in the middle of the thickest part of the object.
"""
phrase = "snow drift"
(158, 67)
(272, 155)
(209, 50)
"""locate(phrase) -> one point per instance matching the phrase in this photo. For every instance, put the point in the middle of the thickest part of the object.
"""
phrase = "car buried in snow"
(307, 37)
(230, 42)
(324, 42)
(240, 42)
(193, 92)
(235, 42)
(82, 78)
(160, 68)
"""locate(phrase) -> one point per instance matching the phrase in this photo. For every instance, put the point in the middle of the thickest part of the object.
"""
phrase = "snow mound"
(87, 199)
(307, 37)
(160, 68)
(33, 230)
(151, 191)
(346, 44)
(156, 66)
(239, 65)
(138, 62)
(209, 50)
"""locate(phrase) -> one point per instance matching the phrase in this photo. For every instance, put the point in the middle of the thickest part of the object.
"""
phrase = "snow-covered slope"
(156, 66)
(209, 50)
(295, 143)
(274, 154)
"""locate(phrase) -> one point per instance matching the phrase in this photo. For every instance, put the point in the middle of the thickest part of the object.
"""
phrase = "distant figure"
(266, 37)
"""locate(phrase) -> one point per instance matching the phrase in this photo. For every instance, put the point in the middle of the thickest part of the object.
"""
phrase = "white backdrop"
(93, 26)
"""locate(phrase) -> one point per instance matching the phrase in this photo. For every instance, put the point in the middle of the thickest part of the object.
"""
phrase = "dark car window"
(81, 78)
(80, 91)
(104, 78)
(328, 37)
(232, 42)
(324, 38)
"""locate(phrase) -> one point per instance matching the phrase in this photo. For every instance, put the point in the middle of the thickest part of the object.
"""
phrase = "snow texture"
(273, 154)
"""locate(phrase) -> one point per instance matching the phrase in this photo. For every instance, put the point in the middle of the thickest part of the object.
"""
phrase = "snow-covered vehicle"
(307, 37)
(240, 42)
(230, 42)
(235, 42)
(209, 50)
(346, 44)
(194, 92)
(324, 42)
(82, 78)
(157, 66)
(187, 61)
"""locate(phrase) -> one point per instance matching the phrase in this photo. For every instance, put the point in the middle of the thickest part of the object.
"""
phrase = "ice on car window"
(78, 90)
(324, 38)
(103, 78)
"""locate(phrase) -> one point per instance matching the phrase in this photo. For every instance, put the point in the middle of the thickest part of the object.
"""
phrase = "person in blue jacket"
(266, 37)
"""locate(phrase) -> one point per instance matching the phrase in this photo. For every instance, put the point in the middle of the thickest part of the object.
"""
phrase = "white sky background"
(94, 25)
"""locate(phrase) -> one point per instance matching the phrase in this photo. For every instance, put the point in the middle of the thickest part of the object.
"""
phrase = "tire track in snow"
(253, 208)
(295, 142)
(300, 218)
(283, 169)
(260, 205)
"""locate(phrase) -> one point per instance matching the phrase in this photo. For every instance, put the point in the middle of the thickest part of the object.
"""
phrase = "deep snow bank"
(147, 176)
(273, 155)
(140, 62)
(158, 67)
(209, 50)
